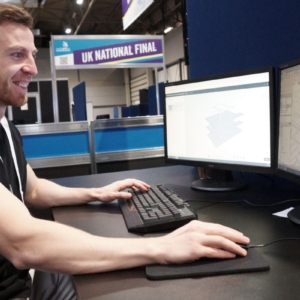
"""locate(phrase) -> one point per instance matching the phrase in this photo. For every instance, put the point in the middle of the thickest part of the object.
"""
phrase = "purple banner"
(130, 52)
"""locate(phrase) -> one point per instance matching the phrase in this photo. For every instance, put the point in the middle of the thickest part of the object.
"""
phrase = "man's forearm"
(58, 248)
(48, 194)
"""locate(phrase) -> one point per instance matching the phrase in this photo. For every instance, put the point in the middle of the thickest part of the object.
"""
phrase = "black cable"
(252, 204)
(261, 205)
(267, 244)
(269, 205)
(246, 201)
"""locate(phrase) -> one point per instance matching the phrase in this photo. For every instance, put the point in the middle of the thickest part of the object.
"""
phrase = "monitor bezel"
(280, 172)
(228, 166)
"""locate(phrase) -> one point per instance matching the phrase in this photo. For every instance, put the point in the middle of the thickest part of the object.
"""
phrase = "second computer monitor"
(223, 121)
(288, 133)
(289, 119)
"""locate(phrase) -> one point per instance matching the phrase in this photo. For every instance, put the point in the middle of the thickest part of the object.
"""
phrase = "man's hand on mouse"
(200, 239)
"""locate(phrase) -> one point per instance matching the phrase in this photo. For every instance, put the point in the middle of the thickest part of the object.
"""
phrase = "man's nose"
(29, 66)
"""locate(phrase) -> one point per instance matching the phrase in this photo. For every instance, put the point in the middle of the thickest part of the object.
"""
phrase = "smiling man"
(53, 249)
(17, 63)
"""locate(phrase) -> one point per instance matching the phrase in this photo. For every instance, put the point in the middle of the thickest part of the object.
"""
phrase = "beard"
(8, 98)
(20, 101)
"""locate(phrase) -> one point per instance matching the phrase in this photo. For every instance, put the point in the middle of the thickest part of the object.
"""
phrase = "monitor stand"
(218, 186)
(294, 215)
(217, 181)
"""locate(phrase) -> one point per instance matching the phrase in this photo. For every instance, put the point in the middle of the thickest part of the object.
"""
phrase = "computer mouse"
(246, 247)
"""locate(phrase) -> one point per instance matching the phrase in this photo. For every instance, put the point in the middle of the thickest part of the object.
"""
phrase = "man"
(54, 249)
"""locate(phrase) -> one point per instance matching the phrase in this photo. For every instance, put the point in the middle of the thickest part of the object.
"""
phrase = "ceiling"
(52, 17)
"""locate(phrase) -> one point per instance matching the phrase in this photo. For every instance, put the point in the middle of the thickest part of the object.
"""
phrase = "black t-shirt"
(8, 176)
(13, 282)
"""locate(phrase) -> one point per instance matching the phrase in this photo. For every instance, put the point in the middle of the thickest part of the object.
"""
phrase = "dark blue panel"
(134, 111)
(144, 109)
(79, 98)
(52, 145)
(122, 139)
(152, 99)
(125, 111)
(227, 36)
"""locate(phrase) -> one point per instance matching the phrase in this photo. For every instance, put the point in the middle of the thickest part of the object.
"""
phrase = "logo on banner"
(64, 48)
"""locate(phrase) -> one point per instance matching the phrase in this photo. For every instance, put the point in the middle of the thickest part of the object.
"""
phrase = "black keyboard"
(158, 209)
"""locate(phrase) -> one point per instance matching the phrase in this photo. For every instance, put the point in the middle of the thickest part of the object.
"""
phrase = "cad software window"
(225, 120)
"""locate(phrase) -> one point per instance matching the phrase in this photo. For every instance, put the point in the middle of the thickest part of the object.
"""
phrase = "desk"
(280, 282)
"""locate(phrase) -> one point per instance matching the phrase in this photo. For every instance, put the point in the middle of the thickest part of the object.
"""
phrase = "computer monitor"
(288, 140)
(222, 122)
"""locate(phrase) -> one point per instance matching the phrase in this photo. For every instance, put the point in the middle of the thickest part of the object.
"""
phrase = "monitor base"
(294, 215)
(218, 186)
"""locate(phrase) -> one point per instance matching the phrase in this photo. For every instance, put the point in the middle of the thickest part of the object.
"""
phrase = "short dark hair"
(15, 14)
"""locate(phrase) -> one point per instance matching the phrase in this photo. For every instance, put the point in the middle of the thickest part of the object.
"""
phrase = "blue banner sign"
(107, 51)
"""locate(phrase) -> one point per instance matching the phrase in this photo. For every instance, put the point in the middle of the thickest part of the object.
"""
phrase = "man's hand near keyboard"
(190, 242)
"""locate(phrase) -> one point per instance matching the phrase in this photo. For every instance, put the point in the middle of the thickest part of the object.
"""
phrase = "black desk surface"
(280, 282)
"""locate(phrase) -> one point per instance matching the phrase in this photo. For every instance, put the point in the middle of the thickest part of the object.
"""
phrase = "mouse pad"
(254, 261)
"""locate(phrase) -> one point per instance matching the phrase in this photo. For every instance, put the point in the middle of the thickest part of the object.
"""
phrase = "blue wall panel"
(152, 99)
(79, 97)
(120, 139)
(52, 145)
(134, 110)
(125, 111)
(229, 36)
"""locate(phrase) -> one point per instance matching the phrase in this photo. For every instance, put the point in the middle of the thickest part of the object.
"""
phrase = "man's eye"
(17, 55)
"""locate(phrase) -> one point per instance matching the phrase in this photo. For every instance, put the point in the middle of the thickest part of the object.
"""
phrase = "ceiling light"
(168, 29)
(79, 1)
(68, 30)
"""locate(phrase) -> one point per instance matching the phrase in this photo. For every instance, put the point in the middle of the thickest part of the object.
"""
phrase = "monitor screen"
(223, 122)
(288, 139)
(289, 119)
